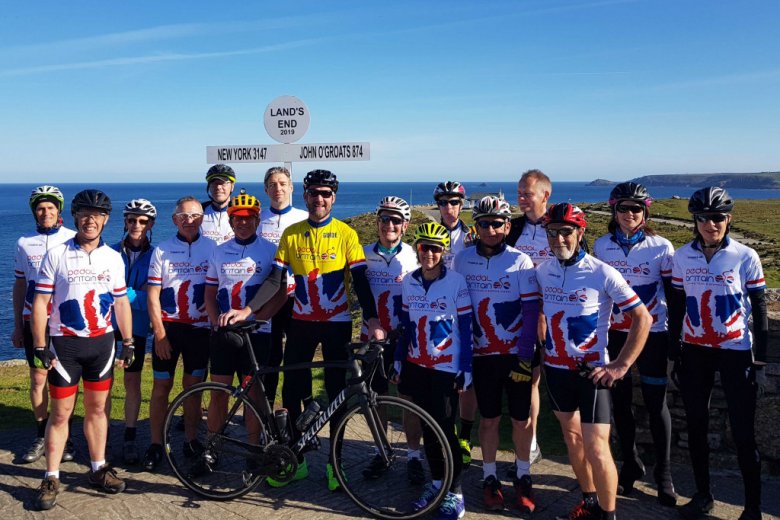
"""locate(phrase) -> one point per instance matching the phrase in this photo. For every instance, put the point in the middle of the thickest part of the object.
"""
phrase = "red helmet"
(565, 213)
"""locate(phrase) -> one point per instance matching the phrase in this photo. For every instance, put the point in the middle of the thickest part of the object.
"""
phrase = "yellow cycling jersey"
(318, 256)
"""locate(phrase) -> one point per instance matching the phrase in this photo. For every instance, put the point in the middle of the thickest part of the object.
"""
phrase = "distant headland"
(758, 180)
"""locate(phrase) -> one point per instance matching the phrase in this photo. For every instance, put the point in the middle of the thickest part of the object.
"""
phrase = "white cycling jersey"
(83, 288)
(577, 301)
(385, 275)
(238, 270)
(216, 224)
(717, 306)
(533, 242)
(646, 264)
(497, 285)
(433, 314)
(460, 238)
(180, 268)
(30, 250)
(273, 222)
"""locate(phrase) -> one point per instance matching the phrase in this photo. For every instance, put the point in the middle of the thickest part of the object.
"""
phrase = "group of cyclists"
(470, 314)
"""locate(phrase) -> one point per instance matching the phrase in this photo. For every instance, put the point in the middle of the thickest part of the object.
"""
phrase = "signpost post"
(286, 120)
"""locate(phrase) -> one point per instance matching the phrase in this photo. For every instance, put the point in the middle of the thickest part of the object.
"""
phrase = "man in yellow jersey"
(322, 253)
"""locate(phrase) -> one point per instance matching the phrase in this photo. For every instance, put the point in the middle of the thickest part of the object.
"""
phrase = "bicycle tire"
(230, 476)
(390, 494)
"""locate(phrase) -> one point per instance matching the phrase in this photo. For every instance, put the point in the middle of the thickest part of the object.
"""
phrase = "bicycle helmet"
(629, 191)
(395, 205)
(712, 199)
(243, 205)
(90, 199)
(432, 232)
(321, 178)
(452, 188)
(564, 213)
(491, 206)
(47, 193)
(220, 171)
(140, 207)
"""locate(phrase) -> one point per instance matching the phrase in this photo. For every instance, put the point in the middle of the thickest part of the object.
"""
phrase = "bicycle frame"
(356, 386)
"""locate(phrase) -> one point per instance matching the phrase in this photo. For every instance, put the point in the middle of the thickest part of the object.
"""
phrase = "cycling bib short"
(89, 358)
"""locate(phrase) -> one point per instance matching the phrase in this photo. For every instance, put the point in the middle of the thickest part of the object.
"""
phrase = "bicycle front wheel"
(218, 465)
(380, 484)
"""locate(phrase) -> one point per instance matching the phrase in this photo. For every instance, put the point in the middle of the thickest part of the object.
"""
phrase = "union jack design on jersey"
(717, 305)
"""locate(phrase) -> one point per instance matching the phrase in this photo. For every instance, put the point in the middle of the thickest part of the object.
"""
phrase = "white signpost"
(286, 120)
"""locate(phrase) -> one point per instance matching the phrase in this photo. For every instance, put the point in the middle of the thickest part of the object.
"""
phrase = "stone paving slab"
(160, 496)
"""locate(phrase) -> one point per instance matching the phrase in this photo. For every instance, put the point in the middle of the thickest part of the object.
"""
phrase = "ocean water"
(353, 198)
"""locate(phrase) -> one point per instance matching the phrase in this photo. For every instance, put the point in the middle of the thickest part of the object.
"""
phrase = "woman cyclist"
(136, 250)
(433, 357)
(718, 284)
(645, 261)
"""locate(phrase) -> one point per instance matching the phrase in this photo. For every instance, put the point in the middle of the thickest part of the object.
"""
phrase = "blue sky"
(466, 90)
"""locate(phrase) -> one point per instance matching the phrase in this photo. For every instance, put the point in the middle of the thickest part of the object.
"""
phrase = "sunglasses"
(451, 202)
(621, 208)
(386, 219)
(716, 217)
(91, 216)
(325, 194)
(188, 216)
(135, 220)
(429, 248)
(495, 224)
(564, 232)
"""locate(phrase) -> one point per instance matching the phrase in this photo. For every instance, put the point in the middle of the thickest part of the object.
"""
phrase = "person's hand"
(234, 315)
(521, 372)
(127, 357)
(44, 358)
(375, 329)
(17, 337)
(463, 381)
(162, 347)
(608, 374)
(761, 379)
(395, 372)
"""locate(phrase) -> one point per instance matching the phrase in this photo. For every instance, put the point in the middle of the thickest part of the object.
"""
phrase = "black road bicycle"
(226, 452)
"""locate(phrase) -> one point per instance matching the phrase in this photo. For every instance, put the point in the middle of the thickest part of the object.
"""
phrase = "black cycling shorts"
(91, 359)
(569, 392)
(140, 351)
(187, 341)
(652, 361)
(28, 344)
(491, 381)
(227, 360)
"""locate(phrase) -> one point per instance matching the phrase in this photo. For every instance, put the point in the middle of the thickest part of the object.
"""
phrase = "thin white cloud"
(161, 33)
(154, 58)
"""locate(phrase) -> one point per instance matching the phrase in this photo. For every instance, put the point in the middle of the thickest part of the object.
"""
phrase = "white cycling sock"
(97, 464)
(488, 469)
(523, 467)
(55, 474)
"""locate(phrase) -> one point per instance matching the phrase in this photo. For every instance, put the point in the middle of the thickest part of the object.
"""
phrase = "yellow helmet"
(243, 205)
(432, 232)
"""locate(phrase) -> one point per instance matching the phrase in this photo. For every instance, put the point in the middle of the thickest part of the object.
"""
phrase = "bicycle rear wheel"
(218, 466)
(386, 493)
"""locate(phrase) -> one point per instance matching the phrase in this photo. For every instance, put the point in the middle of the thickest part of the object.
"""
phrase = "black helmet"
(712, 199)
(90, 199)
(321, 178)
(220, 171)
(629, 191)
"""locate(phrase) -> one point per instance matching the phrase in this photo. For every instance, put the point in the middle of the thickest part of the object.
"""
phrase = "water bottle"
(280, 417)
(311, 411)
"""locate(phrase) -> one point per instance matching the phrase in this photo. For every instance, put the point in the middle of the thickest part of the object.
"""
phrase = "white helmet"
(396, 205)
(140, 207)
(491, 206)
(50, 193)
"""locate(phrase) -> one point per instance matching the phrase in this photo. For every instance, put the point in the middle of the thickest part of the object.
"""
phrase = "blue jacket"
(135, 277)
